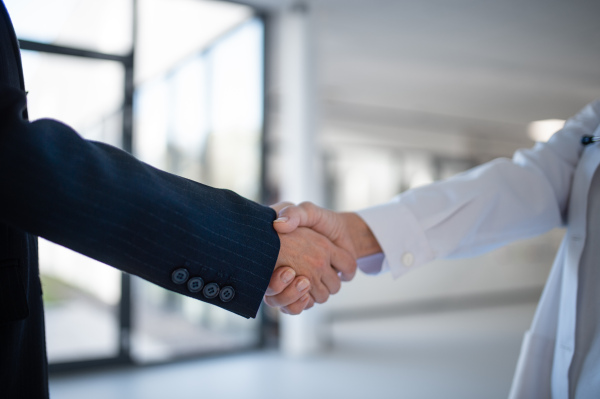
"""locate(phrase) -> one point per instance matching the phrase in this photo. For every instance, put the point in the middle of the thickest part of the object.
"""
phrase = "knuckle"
(348, 267)
(292, 310)
(321, 297)
(323, 244)
(317, 259)
(306, 204)
(320, 266)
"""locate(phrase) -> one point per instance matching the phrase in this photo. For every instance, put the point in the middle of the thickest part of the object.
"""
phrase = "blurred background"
(344, 103)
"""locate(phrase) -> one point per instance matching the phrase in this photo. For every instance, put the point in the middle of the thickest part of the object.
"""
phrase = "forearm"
(104, 203)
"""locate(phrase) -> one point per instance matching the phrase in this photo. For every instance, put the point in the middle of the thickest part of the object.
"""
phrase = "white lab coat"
(496, 203)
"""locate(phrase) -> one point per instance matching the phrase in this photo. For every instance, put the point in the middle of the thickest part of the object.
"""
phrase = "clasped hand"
(318, 251)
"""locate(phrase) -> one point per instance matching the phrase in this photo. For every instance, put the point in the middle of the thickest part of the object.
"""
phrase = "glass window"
(81, 295)
(59, 87)
(236, 109)
(198, 114)
(98, 25)
(171, 30)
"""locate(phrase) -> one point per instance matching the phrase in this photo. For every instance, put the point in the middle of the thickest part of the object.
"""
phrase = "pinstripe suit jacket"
(103, 203)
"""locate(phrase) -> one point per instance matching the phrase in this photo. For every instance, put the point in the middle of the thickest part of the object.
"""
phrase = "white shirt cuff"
(372, 264)
(401, 237)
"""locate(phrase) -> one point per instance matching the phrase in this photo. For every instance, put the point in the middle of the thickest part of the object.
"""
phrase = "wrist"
(363, 239)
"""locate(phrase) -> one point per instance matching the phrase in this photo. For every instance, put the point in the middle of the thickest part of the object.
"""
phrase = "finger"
(331, 280)
(291, 294)
(343, 263)
(280, 279)
(280, 205)
(298, 306)
(310, 304)
(319, 292)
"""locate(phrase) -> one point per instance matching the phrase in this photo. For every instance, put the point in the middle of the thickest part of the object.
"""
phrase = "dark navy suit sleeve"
(104, 203)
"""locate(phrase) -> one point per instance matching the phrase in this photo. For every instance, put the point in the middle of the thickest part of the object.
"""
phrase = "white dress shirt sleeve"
(486, 207)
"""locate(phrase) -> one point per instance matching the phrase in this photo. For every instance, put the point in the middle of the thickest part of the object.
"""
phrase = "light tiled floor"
(462, 355)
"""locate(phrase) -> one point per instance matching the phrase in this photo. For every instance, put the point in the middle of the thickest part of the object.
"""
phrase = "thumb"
(305, 214)
(280, 205)
(308, 215)
(289, 218)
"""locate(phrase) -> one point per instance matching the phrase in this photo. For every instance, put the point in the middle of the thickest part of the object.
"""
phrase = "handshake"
(319, 249)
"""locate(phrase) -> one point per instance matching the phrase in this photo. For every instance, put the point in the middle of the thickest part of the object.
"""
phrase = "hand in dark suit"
(347, 232)
(321, 258)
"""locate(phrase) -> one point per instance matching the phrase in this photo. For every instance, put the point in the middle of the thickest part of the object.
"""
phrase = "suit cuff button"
(195, 284)
(227, 294)
(180, 276)
(211, 290)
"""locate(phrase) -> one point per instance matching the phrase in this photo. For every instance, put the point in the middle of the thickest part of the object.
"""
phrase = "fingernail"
(282, 219)
(302, 285)
(288, 276)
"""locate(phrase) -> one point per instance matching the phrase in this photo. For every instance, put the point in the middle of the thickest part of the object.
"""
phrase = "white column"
(301, 173)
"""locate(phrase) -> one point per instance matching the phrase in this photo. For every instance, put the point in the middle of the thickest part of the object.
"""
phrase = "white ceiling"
(476, 67)
(500, 60)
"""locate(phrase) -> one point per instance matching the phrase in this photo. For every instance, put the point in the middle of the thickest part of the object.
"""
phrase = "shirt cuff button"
(408, 259)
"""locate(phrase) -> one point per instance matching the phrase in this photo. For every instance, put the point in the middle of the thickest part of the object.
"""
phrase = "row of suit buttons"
(196, 284)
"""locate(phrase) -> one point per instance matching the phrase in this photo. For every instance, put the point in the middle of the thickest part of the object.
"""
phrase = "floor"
(462, 355)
